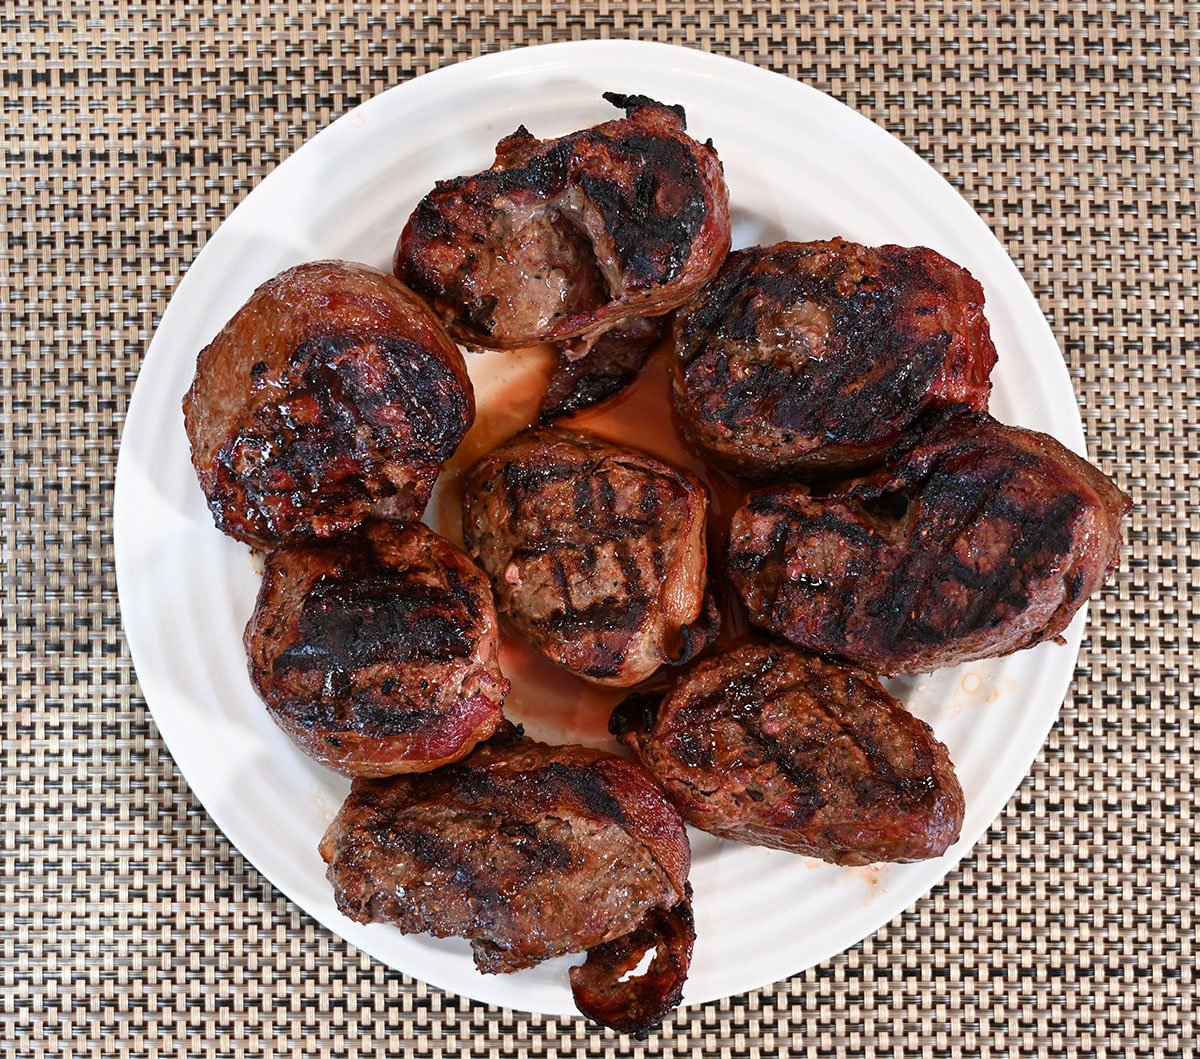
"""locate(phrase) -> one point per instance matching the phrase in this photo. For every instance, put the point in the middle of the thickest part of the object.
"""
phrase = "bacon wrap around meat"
(378, 653)
(331, 390)
(527, 850)
(805, 359)
(607, 992)
(976, 539)
(569, 237)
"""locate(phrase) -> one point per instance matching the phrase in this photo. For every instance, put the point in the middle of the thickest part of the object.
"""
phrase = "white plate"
(799, 165)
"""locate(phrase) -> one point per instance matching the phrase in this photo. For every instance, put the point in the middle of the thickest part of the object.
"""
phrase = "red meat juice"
(553, 704)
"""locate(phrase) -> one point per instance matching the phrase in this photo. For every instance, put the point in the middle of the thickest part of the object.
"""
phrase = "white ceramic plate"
(799, 165)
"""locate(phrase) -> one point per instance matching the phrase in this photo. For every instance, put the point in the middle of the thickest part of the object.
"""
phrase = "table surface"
(131, 129)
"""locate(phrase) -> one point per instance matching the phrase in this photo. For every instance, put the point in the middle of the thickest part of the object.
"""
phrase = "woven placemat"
(131, 129)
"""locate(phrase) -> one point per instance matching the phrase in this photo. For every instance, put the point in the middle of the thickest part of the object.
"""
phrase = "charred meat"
(976, 539)
(333, 390)
(805, 359)
(530, 852)
(582, 378)
(569, 237)
(596, 552)
(764, 744)
(377, 653)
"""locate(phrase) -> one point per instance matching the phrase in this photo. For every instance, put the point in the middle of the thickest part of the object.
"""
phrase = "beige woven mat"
(132, 128)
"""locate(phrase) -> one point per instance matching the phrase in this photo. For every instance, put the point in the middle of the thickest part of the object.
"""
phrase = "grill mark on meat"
(823, 699)
(340, 714)
(609, 615)
(366, 622)
(377, 653)
(527, 851)
(307, 444)
(596, 552)
(461, 592)
(742, 695)
(589, 788)
(629, 567)
(787, 367)
(417, 386)
(652, 238)
(764, 744)
(485, 898)
(560, 578)
(571, 237)
(970, 543)
(333, 387)
(919, 577)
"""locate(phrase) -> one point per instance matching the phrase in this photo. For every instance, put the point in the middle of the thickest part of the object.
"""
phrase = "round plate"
(800, 166)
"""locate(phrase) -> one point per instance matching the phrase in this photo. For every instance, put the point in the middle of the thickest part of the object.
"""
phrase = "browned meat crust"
(766, 745)
(607, 993)
(976, 539)
(809, 358)
(332, 389)
(570, 237)
(527, 850)
(596, 552)
(584, 378)
(377, 653)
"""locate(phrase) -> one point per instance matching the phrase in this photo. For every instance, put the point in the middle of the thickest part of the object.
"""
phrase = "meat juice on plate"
(553, 704)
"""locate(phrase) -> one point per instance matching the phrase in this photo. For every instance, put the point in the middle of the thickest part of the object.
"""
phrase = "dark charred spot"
(589, 787)
(633, 103)
(652, 244)
(610, 614)
(429, 224)
(635, 713)
(348, 625)
(694, 748)
(436, 409)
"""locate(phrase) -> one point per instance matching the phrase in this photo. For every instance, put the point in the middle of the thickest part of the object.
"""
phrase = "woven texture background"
(130, 131)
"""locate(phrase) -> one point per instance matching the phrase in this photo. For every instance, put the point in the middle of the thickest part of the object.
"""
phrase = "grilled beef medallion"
(530, 852)
(764, 744)
(569, 237)
(596, 552)
(377, 653)
(332, 389)
(976, 539)
(805, 359)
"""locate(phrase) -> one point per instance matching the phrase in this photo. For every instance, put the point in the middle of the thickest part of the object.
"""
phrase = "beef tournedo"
(975, 539)
(764, 744)
(596, 552)
(805, 359)
(331, 390)
(530, 852)
(567, 238)
(377, 653)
